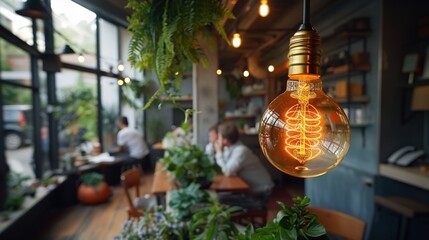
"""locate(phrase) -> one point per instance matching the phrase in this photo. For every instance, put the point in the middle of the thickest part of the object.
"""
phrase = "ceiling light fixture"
(236, 40)
(264, 9)
(303, 132)
(271, 68)
(33, 9)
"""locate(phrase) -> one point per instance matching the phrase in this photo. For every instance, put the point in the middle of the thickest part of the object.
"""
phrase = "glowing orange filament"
(303, 124)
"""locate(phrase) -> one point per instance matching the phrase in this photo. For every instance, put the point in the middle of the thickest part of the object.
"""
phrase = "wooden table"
(162, 183)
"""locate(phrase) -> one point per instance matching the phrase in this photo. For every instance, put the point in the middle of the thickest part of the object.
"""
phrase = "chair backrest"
(340, 224)
(131, 179)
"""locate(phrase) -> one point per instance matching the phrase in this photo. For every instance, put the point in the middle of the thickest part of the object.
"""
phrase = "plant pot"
(93, 194)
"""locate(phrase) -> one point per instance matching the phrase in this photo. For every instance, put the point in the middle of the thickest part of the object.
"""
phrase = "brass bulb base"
(304, 55)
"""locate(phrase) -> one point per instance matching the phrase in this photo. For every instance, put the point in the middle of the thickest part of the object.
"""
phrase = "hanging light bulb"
(264, 9)
(303, 132)
(120, 82)
(121, 67)
(218, 72)
(81, 58)
(246, 73)
(127, 80)
(271, 68)
(236, 40)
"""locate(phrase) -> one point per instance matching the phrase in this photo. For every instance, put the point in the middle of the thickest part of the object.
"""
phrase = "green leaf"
(315, 230)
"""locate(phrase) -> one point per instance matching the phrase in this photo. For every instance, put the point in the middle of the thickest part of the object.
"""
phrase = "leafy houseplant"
(166, 35)
(184, 201)
(190, 164)
(93, 189)
(292, 222)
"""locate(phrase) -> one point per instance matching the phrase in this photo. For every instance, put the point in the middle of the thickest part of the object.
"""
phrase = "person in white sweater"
(236, 159)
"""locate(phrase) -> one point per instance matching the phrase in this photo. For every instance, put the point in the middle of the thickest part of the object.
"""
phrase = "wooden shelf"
(358, 99)
(255, 93)
(410, 175)
(341, 76)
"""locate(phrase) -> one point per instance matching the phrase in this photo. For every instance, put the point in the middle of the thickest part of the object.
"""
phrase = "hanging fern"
(165, 36)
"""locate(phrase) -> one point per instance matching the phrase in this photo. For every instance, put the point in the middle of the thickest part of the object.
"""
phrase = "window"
(74, 25)
(110, 103)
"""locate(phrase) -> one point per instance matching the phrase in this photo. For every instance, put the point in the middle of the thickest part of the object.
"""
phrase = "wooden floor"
(104, 221)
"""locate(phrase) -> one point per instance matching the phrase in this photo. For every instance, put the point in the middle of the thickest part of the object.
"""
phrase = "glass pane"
(109, 47)
(130, 71)
(110, 103)
(75, 25)
(76, 112)
(14, 64)
(18, 25)
(18, 129)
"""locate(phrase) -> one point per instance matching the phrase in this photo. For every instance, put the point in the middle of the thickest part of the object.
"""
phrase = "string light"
(236, 40)
(271, 68)
(264, 9)
(127, 80)
(81, 58)
(246, 73)
(120, 82)
(121, 67)
(218, 72)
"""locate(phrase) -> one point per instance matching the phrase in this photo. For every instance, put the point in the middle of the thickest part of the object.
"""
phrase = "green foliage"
(291, 223)
(13, 95)
(184, 201)
(80, 108)
(92, 179)
(156, 225)
(165, 36)
(15, 191)
(213, 223)
(189, 164)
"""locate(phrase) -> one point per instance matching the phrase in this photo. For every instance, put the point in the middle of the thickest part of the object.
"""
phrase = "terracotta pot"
(93, 195)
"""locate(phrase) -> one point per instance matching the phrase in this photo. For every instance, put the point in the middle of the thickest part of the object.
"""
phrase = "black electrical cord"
(306, 25)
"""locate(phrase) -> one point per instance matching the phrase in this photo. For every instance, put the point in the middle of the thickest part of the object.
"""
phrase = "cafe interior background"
(49, 68)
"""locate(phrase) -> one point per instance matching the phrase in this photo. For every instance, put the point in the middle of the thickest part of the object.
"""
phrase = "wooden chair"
(131, 179)
(340, 224)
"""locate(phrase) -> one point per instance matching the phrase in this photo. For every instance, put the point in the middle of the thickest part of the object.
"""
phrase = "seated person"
(131, 141)
(236, 159)
(210, 147)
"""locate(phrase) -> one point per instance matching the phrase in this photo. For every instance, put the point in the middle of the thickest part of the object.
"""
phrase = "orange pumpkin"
(93, 195)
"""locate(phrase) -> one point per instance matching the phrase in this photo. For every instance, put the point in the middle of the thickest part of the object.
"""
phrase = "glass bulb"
(81, 58)
(264, 9)
(271, 68)
(236, 40)
(218, 72)
(120, 82)
(303, 132)
(246, 73)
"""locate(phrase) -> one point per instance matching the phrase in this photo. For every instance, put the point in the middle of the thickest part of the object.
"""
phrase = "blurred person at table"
(131, 142)
(210, 147)
(236, 159)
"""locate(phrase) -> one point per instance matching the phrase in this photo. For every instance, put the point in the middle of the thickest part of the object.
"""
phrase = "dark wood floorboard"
(104, 221)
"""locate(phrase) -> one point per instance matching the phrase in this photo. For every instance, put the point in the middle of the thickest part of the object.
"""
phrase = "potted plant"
(185, 201)
(292, 222)
(189, 164)
(92, 189)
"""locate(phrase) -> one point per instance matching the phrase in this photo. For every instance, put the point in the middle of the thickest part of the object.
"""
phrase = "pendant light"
(33, 9)
(264, 9)
(236, 40)
(303, 132)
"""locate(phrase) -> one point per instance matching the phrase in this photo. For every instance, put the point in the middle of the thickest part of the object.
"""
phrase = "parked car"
(17, 126)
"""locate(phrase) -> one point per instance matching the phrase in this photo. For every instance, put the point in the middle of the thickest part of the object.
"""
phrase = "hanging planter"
(166, 36)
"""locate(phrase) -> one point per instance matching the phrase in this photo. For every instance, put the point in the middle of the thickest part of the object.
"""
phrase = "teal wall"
(349, 187)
